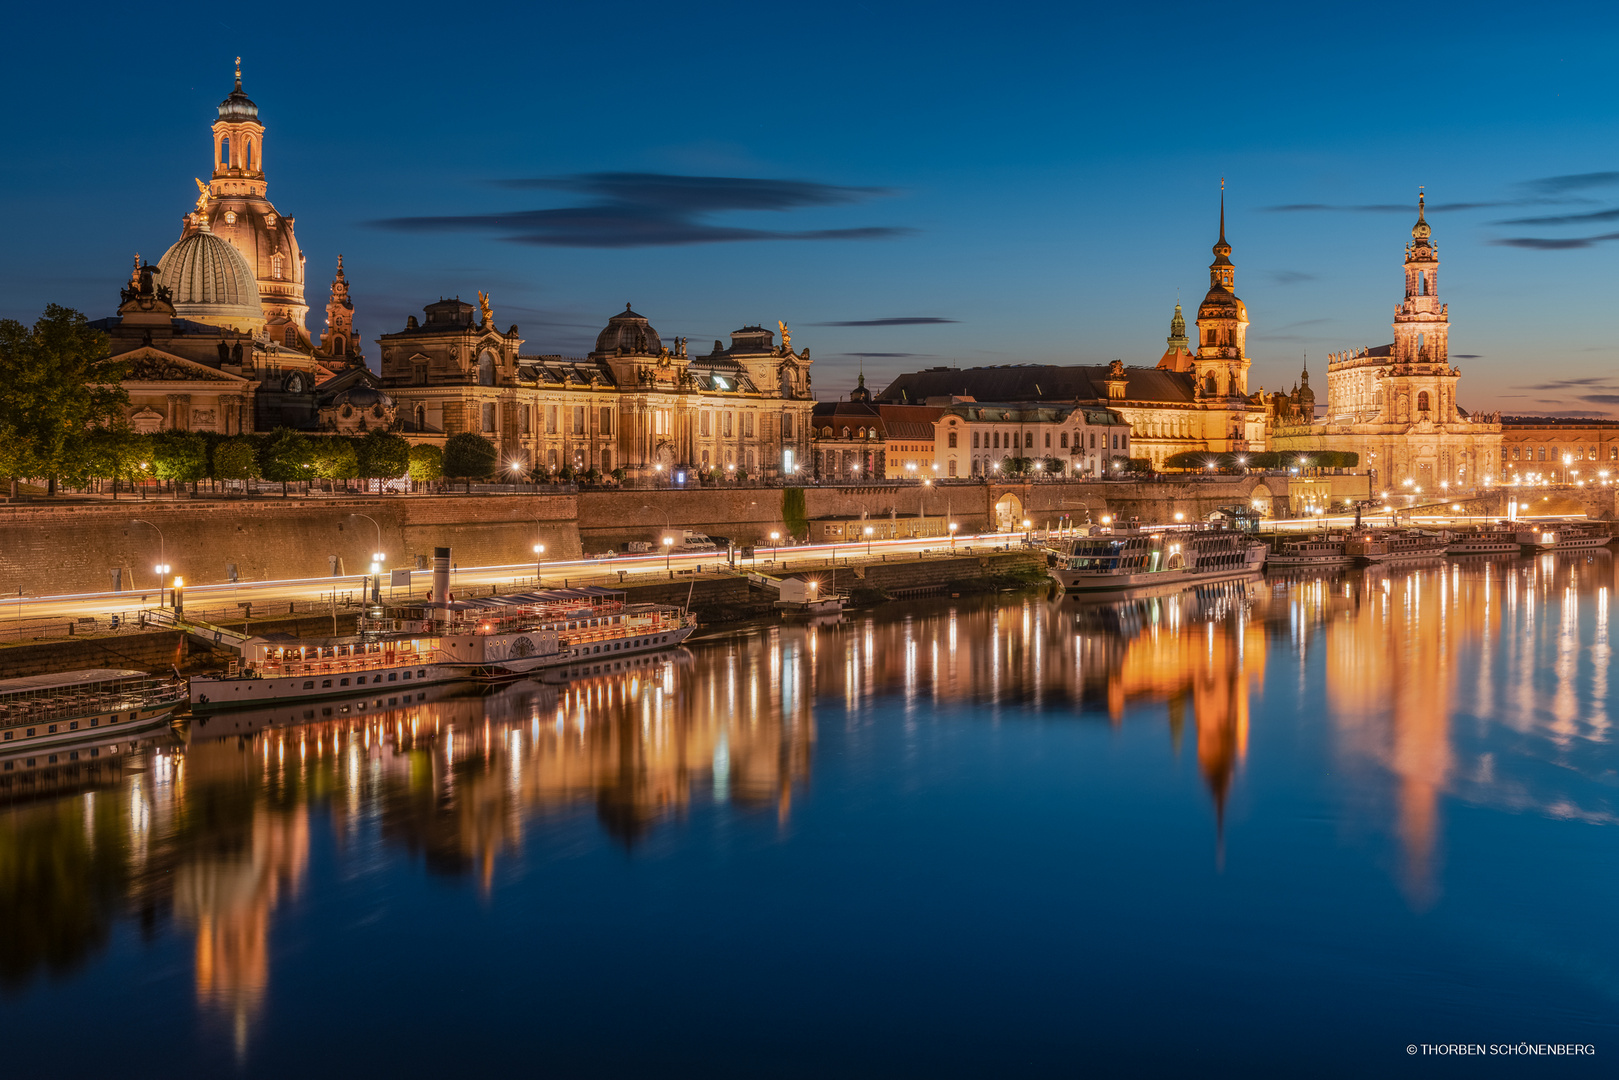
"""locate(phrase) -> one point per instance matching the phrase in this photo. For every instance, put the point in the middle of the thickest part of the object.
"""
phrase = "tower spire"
(238, 73)
(1222, 208)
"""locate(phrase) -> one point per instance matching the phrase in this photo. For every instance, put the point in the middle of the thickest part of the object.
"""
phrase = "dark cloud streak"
(627, 210)
(903, 320)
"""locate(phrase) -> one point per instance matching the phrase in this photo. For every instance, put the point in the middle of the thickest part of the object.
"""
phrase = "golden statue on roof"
(786, 338)
(204, 197)
(488, 312)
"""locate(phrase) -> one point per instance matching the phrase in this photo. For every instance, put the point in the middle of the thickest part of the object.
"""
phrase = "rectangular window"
(489, 417)
(726, 426)
(393, 676)
(1093, 440)
(952, 466)
(951, 438)
(522, 419)
(1063, 443)
(310, 685)
(787, 425)
(578, 419)
(1048, 440)
(550, 419)
(607, 460)
(705, 423)
(975, 440)
(325, 684)
(1028, 440)
(342, 682)
(747, 425)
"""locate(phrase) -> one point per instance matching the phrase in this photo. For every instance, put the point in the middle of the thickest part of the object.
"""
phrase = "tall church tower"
(339, 339)
(1221, 366)
(239, 212)
(1421, 322)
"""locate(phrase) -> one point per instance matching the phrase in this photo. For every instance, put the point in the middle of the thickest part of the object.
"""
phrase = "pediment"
(150, 365)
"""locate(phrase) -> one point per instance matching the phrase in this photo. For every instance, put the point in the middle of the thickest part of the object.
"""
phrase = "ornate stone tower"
(339, 340)
(1421, 322)
(1221, 365)
(239, 212)
(1178, 356)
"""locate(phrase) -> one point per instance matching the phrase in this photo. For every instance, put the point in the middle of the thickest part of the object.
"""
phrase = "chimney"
(439, 600)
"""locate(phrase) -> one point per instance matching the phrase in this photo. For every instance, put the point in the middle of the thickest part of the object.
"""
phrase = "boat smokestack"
(439, 600)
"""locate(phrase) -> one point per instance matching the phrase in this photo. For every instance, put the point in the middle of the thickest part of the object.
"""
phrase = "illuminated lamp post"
(775, 539)
(1026, 530)
(539, 554)
(162, 572)
(953, 526)
(162, 555)
(869, 531)
(376, 576)
(668, 551)
(179, 596)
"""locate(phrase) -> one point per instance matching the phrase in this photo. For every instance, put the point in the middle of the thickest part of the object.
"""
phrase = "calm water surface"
(1279, 829)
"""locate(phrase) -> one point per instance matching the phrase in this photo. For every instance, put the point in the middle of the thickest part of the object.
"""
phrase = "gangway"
(207, 633)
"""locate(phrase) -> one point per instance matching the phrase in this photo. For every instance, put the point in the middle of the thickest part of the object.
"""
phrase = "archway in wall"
(1008, 513)
(1261, 501)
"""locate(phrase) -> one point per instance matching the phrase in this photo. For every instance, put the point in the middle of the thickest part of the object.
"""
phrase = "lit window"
(230, 217)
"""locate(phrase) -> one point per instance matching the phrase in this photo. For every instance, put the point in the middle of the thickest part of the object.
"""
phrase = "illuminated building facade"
(1395, 405)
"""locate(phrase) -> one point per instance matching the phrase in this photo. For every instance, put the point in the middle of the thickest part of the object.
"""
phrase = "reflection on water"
(1485, 684)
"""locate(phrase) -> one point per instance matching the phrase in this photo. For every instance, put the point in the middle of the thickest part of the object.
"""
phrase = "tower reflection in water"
(1421, 685)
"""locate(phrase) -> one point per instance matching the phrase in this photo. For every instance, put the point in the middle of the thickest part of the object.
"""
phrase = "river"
(1291, 827)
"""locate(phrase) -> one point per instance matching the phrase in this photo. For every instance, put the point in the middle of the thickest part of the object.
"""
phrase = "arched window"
(224, 151)
(1422, 283)
(247, 156)
(845, 433)
(291, 336)
(421, 418)
(1422, 401)
(486, 368)
(339, 346)
(276, 264)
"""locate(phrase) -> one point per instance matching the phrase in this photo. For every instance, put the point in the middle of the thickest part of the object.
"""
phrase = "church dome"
(238, 108)
(210, 281)
(362, 396)
(1220, 304)
(629, 334)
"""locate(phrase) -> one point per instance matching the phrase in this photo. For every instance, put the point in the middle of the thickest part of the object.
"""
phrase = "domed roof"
(1220, 304)
(210, 280)
(629, 334)
(238, 108)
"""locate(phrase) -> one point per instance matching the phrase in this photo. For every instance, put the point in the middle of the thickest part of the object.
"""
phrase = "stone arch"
(486, 368)
(1262, 501)
(1008, 513)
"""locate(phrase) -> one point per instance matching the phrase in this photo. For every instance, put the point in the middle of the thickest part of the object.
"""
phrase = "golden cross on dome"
(238, 69)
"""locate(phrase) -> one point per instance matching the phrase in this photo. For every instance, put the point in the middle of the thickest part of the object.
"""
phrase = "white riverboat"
(1393, 546)
(1565, 536)
(1131, 559)
(1324, 549)
(48, 710)
(446, 640)
(1490, 541)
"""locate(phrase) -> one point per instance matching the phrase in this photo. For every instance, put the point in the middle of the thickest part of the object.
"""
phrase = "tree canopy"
(469, 456)
(426, 463)
(59, 386)
(383, 455)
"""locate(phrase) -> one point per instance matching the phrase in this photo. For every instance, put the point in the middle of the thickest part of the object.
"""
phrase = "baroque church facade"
(215, 335)
(1192, 399)
(1395, 405)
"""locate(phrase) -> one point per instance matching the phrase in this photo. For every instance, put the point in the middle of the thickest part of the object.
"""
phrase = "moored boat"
(1130, 559)
(1565, 536)
(1488, 541)
(1319, 550)
(59, 708)
(1389, 545)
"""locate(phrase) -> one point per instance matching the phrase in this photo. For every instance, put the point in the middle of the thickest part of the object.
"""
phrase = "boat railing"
(337, 666)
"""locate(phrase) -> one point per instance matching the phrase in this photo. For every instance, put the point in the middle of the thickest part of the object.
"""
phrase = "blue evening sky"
(965, 184)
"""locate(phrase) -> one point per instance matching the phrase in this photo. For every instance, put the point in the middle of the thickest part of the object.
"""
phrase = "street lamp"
(1026, 530)
(668, 550)
(953, 528)
(775, 538)
(1179, 516)
(869, 531)
(539, 553)
(376, 579)
(179, 596)
(162, 556)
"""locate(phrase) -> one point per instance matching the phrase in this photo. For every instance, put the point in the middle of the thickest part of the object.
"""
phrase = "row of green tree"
(1202, 460)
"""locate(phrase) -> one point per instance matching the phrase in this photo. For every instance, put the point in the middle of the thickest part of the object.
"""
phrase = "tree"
(180, 457)
(59, 385)
(286, 456)
(383, 455)
(335, 459)
(118, 453)
(1052, 466)
(236, 459)
(1015, 466)
(426, 463)
(469, 456)
(620, 474)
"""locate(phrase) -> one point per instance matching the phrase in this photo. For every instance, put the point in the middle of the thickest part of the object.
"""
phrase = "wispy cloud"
(1290, 277)
(1378, 208)
(1468, 356)
(1601, 399)
(627, 210)
(1549, 243)
(1562, 185)
(901, 320)
(1565, 219)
